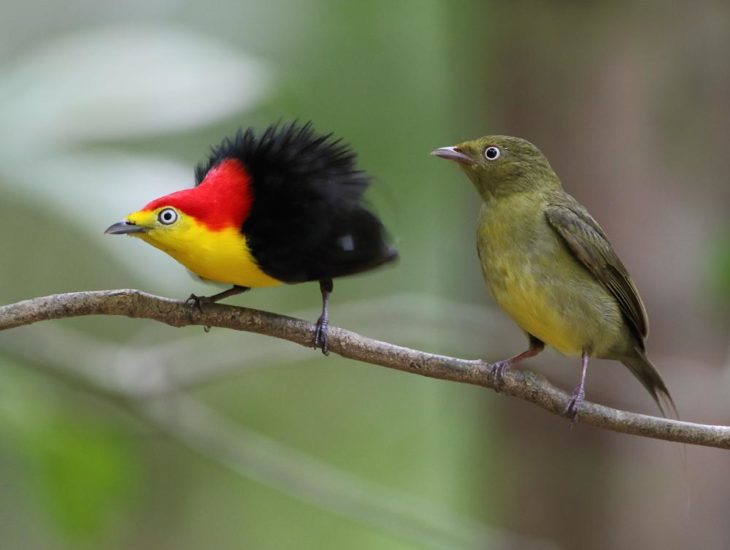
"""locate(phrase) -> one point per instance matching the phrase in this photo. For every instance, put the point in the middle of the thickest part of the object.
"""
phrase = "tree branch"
(518, 383)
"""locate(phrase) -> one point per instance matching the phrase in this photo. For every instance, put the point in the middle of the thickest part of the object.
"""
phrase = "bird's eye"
(167, 216)
(492, 153)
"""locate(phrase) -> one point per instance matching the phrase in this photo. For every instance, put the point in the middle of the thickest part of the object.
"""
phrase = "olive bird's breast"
(535, 279)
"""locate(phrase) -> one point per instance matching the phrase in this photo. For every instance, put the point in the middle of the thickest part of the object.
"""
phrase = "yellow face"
(220, 255)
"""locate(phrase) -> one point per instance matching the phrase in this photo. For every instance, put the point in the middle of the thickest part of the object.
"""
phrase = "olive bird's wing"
(589, 244)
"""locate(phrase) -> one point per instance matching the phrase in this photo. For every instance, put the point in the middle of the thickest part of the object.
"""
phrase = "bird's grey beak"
(124, 228)
(452, 153)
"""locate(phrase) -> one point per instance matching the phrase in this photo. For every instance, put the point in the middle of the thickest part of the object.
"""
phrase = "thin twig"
(518, 383)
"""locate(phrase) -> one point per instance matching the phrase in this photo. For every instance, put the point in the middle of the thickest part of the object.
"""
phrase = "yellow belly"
(531, 276)
(528, 303)
(222, 256)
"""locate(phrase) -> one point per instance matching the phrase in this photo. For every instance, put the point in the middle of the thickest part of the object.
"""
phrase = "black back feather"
(308, 220)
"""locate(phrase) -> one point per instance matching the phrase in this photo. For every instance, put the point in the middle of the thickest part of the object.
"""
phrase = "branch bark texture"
(525, 385)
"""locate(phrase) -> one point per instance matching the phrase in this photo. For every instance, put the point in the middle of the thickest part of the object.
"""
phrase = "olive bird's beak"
(452, 153)
(124, 228)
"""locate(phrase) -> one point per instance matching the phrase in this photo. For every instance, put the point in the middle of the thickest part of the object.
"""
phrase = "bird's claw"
(496, 370)
(571, 411)
(320, 336)
(195, 301)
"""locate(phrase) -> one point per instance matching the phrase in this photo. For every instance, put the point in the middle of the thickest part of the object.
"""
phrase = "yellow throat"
(220, 255)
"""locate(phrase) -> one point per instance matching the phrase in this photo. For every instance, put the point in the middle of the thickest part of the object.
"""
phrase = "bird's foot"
(197, 302)
(320, 340)
(571, 411)
(496, 370)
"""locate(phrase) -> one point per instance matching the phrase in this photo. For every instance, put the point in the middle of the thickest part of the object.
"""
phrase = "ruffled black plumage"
(308, 220)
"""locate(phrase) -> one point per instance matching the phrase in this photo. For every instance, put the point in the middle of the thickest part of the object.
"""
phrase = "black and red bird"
(285, 206)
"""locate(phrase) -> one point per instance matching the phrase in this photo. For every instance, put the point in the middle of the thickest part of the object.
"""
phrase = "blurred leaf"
(126, 81)
(82, 469)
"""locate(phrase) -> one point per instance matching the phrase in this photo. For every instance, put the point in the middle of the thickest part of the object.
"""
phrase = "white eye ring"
(167, 216)
(492, 153)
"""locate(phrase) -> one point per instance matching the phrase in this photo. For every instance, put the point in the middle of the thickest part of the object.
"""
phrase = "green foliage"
(82, 469)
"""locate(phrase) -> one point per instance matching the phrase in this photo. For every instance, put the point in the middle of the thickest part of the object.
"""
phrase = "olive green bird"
(550, 266)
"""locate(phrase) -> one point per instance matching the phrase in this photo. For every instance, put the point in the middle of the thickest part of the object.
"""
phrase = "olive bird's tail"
(647, 374)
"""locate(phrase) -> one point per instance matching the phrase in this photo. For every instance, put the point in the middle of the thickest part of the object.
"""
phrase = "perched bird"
(285, 206)
(550, 266)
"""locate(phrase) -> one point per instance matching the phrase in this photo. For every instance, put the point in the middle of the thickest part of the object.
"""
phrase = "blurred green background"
(118, 433)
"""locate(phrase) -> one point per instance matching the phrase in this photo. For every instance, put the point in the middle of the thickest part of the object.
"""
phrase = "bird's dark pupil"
(491, 153)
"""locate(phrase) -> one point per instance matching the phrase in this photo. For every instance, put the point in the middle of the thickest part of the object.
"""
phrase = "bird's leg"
(579, 394)
(320, 332)
(497, 369)
(198, 301)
